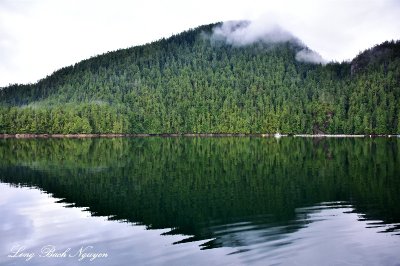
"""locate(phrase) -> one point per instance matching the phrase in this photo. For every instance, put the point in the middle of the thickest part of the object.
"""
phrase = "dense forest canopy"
(193, 83)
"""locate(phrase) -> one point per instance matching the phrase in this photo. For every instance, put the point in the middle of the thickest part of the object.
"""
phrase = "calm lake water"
(200, 201)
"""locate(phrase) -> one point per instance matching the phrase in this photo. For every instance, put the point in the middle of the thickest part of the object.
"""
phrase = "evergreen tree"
(190, 83)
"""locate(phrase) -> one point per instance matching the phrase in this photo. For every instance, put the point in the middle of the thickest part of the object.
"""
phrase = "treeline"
(70, 119)
(188, 84)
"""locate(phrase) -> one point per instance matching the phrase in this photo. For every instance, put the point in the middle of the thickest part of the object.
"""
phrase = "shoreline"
(167, 135)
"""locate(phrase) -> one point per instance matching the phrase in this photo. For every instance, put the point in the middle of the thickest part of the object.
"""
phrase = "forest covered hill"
(194, 83)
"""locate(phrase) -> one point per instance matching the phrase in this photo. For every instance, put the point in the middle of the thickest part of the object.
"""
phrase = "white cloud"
(306, 55)
(38, 37)
(247, 32)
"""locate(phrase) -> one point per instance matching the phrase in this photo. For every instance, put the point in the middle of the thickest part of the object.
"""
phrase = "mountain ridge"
(190, 84)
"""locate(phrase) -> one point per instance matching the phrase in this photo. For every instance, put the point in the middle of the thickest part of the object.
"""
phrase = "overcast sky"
(41, 36)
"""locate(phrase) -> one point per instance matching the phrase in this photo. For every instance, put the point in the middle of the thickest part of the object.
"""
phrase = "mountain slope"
(194, 83)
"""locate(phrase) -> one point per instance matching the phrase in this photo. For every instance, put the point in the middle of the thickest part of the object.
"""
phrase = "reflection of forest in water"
(195, 185)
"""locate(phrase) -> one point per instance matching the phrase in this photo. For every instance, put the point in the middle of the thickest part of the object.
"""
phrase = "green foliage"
(188, 84)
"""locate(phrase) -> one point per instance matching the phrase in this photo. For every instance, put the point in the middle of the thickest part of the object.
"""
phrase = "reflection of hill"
(195, 185)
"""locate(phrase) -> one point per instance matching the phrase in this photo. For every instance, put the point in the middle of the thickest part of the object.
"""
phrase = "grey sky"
(39, 37)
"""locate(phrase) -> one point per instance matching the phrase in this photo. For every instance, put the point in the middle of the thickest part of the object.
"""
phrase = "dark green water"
(216, 201)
